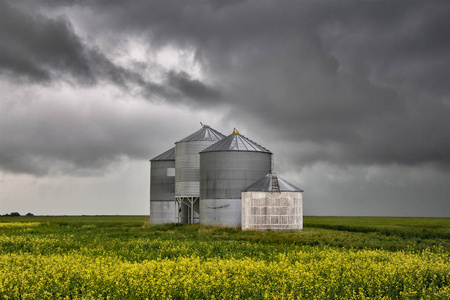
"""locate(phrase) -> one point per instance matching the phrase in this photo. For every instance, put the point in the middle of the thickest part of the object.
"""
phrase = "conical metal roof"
(206, 133)
(168, 155)
(272, 183)
(236, 142)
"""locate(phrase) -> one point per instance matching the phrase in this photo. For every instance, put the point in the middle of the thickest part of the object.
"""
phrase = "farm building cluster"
(213, 179)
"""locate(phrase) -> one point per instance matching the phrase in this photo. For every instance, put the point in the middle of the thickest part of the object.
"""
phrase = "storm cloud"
(88, 86)
(369, 80)
(40, 49)
(37, 48)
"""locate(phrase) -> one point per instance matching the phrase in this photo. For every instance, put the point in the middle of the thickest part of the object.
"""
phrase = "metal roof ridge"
(255, 143)
(265, 184)
(213, 135)
(243, 144)
(166, 155)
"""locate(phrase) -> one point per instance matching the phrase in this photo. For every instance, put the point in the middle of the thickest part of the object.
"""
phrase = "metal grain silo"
(187, 169)
(163, 207)
(226, 168)
(272, 203)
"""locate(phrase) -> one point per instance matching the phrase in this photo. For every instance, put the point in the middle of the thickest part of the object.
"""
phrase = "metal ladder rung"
(275, 186)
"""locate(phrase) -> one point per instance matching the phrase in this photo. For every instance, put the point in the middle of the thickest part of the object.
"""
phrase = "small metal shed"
(272, 203)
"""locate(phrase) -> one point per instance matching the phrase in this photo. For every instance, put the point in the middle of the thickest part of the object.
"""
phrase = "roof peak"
(272, 183)
(206, 133)
(236, 142)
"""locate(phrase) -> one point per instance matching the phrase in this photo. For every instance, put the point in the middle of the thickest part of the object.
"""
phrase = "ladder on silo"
(275, 185)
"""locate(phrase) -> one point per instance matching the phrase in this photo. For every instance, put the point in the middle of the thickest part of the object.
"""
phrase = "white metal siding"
(272, 211)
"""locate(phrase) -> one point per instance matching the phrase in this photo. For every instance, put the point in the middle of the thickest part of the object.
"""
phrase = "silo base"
(221, 212)
(162, 212)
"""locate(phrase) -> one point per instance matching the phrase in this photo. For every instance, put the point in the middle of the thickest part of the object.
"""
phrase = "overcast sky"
(352, 97)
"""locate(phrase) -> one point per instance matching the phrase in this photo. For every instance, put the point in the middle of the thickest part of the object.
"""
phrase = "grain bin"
(226, 168)
(187, 169)
(163, 207)
(272, 203)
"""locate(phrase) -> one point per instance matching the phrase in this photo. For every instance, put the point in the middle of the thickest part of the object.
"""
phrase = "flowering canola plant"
(299, 273)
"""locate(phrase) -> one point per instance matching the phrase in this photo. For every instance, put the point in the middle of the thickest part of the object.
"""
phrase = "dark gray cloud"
(360, 83)
(84, 135)
(191, 87)
(378, 96)
(401, 44)
(36, 48)
(39, 49)
(374, 191)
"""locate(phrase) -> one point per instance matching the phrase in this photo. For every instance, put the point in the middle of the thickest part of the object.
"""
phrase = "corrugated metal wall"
(162, 193)
(187, 167)
(223, 175)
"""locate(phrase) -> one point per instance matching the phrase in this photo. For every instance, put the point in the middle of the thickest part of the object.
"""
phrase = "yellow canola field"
(20, 224)
(311, 273)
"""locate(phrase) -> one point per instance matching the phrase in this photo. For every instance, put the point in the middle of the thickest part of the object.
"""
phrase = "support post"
(189, 202)
(192, 212)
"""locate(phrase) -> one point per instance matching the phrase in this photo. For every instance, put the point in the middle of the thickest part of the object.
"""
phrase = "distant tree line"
(16, 214)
